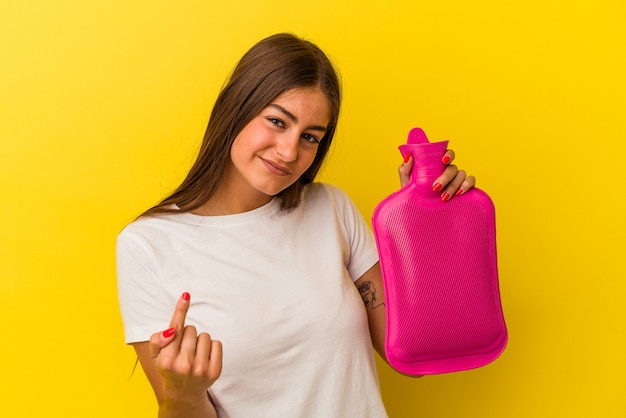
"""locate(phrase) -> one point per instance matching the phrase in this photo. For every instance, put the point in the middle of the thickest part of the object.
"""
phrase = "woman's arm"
(370, 286)
(181, 365)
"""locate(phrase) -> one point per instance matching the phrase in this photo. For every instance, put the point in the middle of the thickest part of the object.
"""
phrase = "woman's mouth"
(276, 168)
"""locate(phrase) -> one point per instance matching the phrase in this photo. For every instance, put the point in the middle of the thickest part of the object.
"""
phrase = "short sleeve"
(144, 304)
(363, 252)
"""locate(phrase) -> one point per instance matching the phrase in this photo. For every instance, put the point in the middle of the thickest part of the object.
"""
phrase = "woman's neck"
(232, 197)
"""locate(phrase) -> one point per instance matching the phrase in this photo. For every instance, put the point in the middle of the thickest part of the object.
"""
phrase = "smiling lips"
(275, 168)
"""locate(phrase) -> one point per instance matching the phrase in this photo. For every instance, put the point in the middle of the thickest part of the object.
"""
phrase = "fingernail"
(186, 296)
(437, 187)
(458, 192)
(168, 332)
(407, 158)
(445, 197)
(446, 159)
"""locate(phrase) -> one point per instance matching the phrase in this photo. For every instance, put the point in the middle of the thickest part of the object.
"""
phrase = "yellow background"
(103, 105)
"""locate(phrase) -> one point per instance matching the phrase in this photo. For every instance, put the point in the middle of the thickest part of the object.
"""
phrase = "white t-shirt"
(276, 288)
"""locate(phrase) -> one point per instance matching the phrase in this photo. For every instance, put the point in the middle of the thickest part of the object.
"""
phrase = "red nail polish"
(186, 296)
(458, 192)
(169, 332)
(407, 158)
(437, 187)
(445, 197)
(446, 159)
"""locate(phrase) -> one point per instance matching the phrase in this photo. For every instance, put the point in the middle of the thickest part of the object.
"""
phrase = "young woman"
(269, 282)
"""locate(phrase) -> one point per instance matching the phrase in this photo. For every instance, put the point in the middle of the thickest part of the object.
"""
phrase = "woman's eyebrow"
(294, 119)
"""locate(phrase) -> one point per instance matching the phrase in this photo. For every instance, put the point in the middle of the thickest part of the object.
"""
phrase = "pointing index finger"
(180, 312)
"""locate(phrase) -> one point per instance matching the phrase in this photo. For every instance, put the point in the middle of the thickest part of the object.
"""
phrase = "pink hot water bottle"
(440, 274)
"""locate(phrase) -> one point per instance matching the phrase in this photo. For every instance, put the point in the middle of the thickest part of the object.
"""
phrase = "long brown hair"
(274, 65)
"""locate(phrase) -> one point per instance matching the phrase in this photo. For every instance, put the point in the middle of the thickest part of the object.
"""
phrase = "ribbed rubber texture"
(441, 282)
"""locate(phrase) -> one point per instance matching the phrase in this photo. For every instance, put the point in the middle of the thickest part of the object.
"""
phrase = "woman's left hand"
(453, 182)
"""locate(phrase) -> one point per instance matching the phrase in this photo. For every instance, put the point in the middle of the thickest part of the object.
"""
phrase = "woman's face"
(280, 143)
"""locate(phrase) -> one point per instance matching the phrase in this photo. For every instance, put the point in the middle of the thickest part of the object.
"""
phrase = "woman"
(250, 253)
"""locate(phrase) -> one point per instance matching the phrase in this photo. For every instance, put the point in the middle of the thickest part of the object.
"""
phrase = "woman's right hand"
(181, 365)
(188, 362)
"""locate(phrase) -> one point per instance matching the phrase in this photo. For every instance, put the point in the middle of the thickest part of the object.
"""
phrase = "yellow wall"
(102, 106)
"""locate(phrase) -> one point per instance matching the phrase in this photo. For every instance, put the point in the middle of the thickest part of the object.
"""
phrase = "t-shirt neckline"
(273, 206)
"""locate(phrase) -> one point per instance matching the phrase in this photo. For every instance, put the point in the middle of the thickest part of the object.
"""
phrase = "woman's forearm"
(203, 408)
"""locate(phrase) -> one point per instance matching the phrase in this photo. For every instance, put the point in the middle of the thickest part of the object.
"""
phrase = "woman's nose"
(287, 148)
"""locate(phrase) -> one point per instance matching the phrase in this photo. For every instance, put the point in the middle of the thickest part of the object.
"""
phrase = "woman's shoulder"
(327, 193)
(318, 188)
(146, 226)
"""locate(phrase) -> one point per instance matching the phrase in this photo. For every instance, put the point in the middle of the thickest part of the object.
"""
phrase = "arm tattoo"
(368, 293)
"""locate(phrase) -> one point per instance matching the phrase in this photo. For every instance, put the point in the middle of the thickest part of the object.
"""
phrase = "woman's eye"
(277, 122)
(311, 138)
